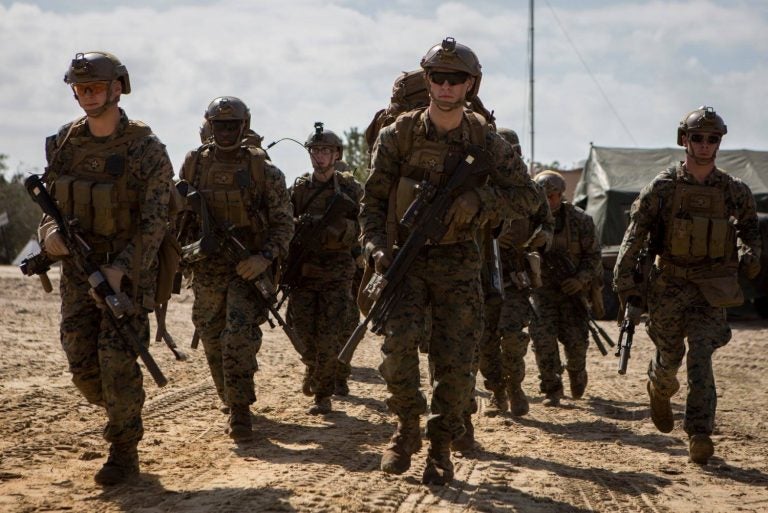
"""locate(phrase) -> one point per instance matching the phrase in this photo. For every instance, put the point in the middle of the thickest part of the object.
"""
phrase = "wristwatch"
(267, 254)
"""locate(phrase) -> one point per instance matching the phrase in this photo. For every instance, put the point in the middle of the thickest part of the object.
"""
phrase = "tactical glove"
(571, 286)
(54, 244)
(464, 209)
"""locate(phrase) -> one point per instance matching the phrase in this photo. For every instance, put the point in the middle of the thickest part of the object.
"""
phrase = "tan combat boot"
(499, 402)
(661, 410)
(578, 381)
(321, 407)
(439, 469)
(240, 427)
(121, 465)
(466, 441)
(406, 441)
(518, 402)
(700, 449)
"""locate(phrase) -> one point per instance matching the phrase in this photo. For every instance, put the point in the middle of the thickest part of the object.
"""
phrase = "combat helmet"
(552, 181)
(455, 57)
(703, 119)
(97, 67)
(323, 137)
(227, 108)
(511, 137)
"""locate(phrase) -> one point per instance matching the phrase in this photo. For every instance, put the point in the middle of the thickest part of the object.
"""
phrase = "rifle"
(631, 319)
(162, 333)
(424, 219)
(120, 309)
(219, 239)
(307, 240)
(562, 267)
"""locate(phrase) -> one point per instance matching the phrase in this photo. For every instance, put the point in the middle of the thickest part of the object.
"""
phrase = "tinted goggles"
(321, 150)
(83, 88)
(452, 77)
(700, 138)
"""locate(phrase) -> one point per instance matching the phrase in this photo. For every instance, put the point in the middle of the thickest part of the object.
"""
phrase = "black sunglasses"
(452, 77)
(699, 138)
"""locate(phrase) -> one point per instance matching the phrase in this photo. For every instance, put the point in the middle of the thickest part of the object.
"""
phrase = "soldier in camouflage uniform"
(246, 193)
(701, 225)
(445, 276)
(504, 344)
(560, 302)
(321, 309)
(113, 175)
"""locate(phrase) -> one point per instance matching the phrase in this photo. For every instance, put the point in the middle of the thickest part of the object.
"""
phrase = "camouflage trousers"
(678, 310)
(324, 320)
(561, 320)
(447, 279)
(227, 318)
(103, 368)
(504, 343)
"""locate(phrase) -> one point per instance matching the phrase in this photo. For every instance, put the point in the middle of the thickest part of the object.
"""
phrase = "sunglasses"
(226, 126)
(700, 138)
(94, 88)
(452, 77)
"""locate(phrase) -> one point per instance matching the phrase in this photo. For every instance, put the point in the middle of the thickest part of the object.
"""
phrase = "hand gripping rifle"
(562, 268)
(636, 305)
(219, 239)
(120, 309)
(308, 239)
(425, 220)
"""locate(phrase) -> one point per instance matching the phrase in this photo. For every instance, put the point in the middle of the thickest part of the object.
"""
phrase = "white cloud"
(305, 61)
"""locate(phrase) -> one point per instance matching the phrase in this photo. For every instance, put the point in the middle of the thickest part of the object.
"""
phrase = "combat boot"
(518, 402)
(661, 410)
(466, 441)
(552, 398)
(700, 449)
(121, 465)
(240, 427)
(439, 469)
(406, 441)
(578, 381)
(341, 388)
(321, 407)
(499, 403)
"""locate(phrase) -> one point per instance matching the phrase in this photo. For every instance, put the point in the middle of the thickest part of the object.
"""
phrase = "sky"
(618, 73)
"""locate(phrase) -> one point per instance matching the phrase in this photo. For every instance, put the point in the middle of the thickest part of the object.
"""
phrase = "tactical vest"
(562, 240)
(308, 200)
(423, 160)
(699, 230)
(93, 186)
(234, 191)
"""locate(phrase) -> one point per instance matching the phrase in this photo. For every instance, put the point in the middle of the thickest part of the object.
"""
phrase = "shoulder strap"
(478, 127)
(258, 174)
(405, 125)
(60, 141)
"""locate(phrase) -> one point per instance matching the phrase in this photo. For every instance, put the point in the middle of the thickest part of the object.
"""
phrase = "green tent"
(613, 177)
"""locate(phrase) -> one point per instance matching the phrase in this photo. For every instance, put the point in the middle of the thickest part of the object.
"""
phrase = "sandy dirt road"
(600, 453)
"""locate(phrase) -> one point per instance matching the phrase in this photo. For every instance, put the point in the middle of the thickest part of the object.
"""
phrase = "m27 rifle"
(636, 305)
(562, 268)
(219, 239)
(424, 218)
(308, 239)
(120, 310)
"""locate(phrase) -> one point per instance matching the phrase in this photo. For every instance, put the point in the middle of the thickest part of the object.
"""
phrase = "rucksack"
(409, 92)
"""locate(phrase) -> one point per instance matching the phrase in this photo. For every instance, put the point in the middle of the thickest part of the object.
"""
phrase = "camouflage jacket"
(150, 175)
(508, 194)
(541, 220)
(653, 209)
(575, 236)
(309, 196)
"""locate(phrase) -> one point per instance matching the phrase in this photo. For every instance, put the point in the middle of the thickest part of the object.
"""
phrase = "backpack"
(409, 92)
